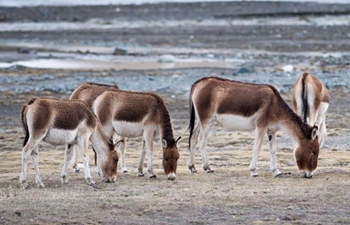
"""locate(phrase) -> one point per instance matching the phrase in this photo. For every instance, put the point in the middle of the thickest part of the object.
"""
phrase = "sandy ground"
(257, 52)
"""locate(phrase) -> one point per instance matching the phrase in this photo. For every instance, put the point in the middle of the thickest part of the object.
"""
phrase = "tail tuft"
(192, 122)
(305, 105)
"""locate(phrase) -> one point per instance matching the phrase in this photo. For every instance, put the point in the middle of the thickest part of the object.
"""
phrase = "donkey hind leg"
(35, 157)
(83, 146)
(204, 131)
(142, 159)
(273, 149)
(194, 140)
(259, 134)
(32, 145)
(323, 132)
(67, 155)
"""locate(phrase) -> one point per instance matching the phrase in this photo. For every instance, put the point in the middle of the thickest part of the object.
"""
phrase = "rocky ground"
(164, 48)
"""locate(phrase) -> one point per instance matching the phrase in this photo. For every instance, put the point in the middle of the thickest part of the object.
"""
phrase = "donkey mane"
(307, 129)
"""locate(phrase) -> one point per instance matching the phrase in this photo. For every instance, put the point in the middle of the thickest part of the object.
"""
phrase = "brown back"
(88, 92)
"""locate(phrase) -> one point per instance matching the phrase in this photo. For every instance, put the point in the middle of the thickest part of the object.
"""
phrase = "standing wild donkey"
(88, 92)
(244, 107)
(68, 122)
(311, 101)
(135, 114)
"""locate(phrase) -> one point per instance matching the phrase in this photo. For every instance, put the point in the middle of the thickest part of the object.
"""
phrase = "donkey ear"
(314, 132)
(178, 140)
(116, 145)
(164, 143)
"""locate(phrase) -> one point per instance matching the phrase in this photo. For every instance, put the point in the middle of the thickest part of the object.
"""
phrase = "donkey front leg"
(67, 156)
(122, 155)
(83, 146)
(259, 133)
(273, 149)
(148, 137)
(142, 160)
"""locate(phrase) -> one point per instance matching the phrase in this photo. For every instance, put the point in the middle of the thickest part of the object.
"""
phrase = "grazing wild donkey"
(310, 102)
(244, 107)
(68, 122)
(135, 114)
(88, 92)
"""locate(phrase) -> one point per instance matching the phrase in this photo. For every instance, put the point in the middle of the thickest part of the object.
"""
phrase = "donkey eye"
(314, 152)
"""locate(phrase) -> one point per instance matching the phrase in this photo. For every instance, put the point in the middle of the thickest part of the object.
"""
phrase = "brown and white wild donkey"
(65, 122)
(310, 101)
(88, 92)
(244, 107)
(135, 114)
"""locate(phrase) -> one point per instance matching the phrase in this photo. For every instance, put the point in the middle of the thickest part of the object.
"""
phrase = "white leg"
(67, 156)
(74, 161)
(204, 131)
(35, 157)
(142, 160)
(259, 133)
(148, 137)
(83, 146)
(323, 132)
(194, 140)
(122, 155)
(273, 160)
(26, 152)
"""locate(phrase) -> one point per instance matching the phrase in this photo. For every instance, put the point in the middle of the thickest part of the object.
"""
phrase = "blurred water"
(19, 3)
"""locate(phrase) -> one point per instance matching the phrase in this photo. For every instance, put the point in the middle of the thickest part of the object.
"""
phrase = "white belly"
(128, 129)
(236, 122)
(60, 136)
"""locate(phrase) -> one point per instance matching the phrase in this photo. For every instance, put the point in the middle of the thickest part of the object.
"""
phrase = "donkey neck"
(99, 140)
(295, 127)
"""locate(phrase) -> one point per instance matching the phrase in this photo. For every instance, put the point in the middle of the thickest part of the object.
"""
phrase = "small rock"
(245, 68)
(166, 59)
(287, 68)
(119, 51)
(23, 50)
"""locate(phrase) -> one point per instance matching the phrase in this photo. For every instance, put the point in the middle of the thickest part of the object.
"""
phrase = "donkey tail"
(24, 119)
(192, 122)
(305, 105)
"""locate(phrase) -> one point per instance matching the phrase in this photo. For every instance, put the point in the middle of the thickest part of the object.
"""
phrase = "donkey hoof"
(94, 185)
(254, 174)
(192, 169)
(125, 171)
(153, 176)
(141, 174)
(40, 185)
(25, 185)
(208, 170)
(276, 173)
(76, 170)
(64, 181)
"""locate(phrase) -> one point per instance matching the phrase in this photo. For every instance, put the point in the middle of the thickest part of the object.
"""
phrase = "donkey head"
(170, 157)
(306, 154)
(108, 171)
